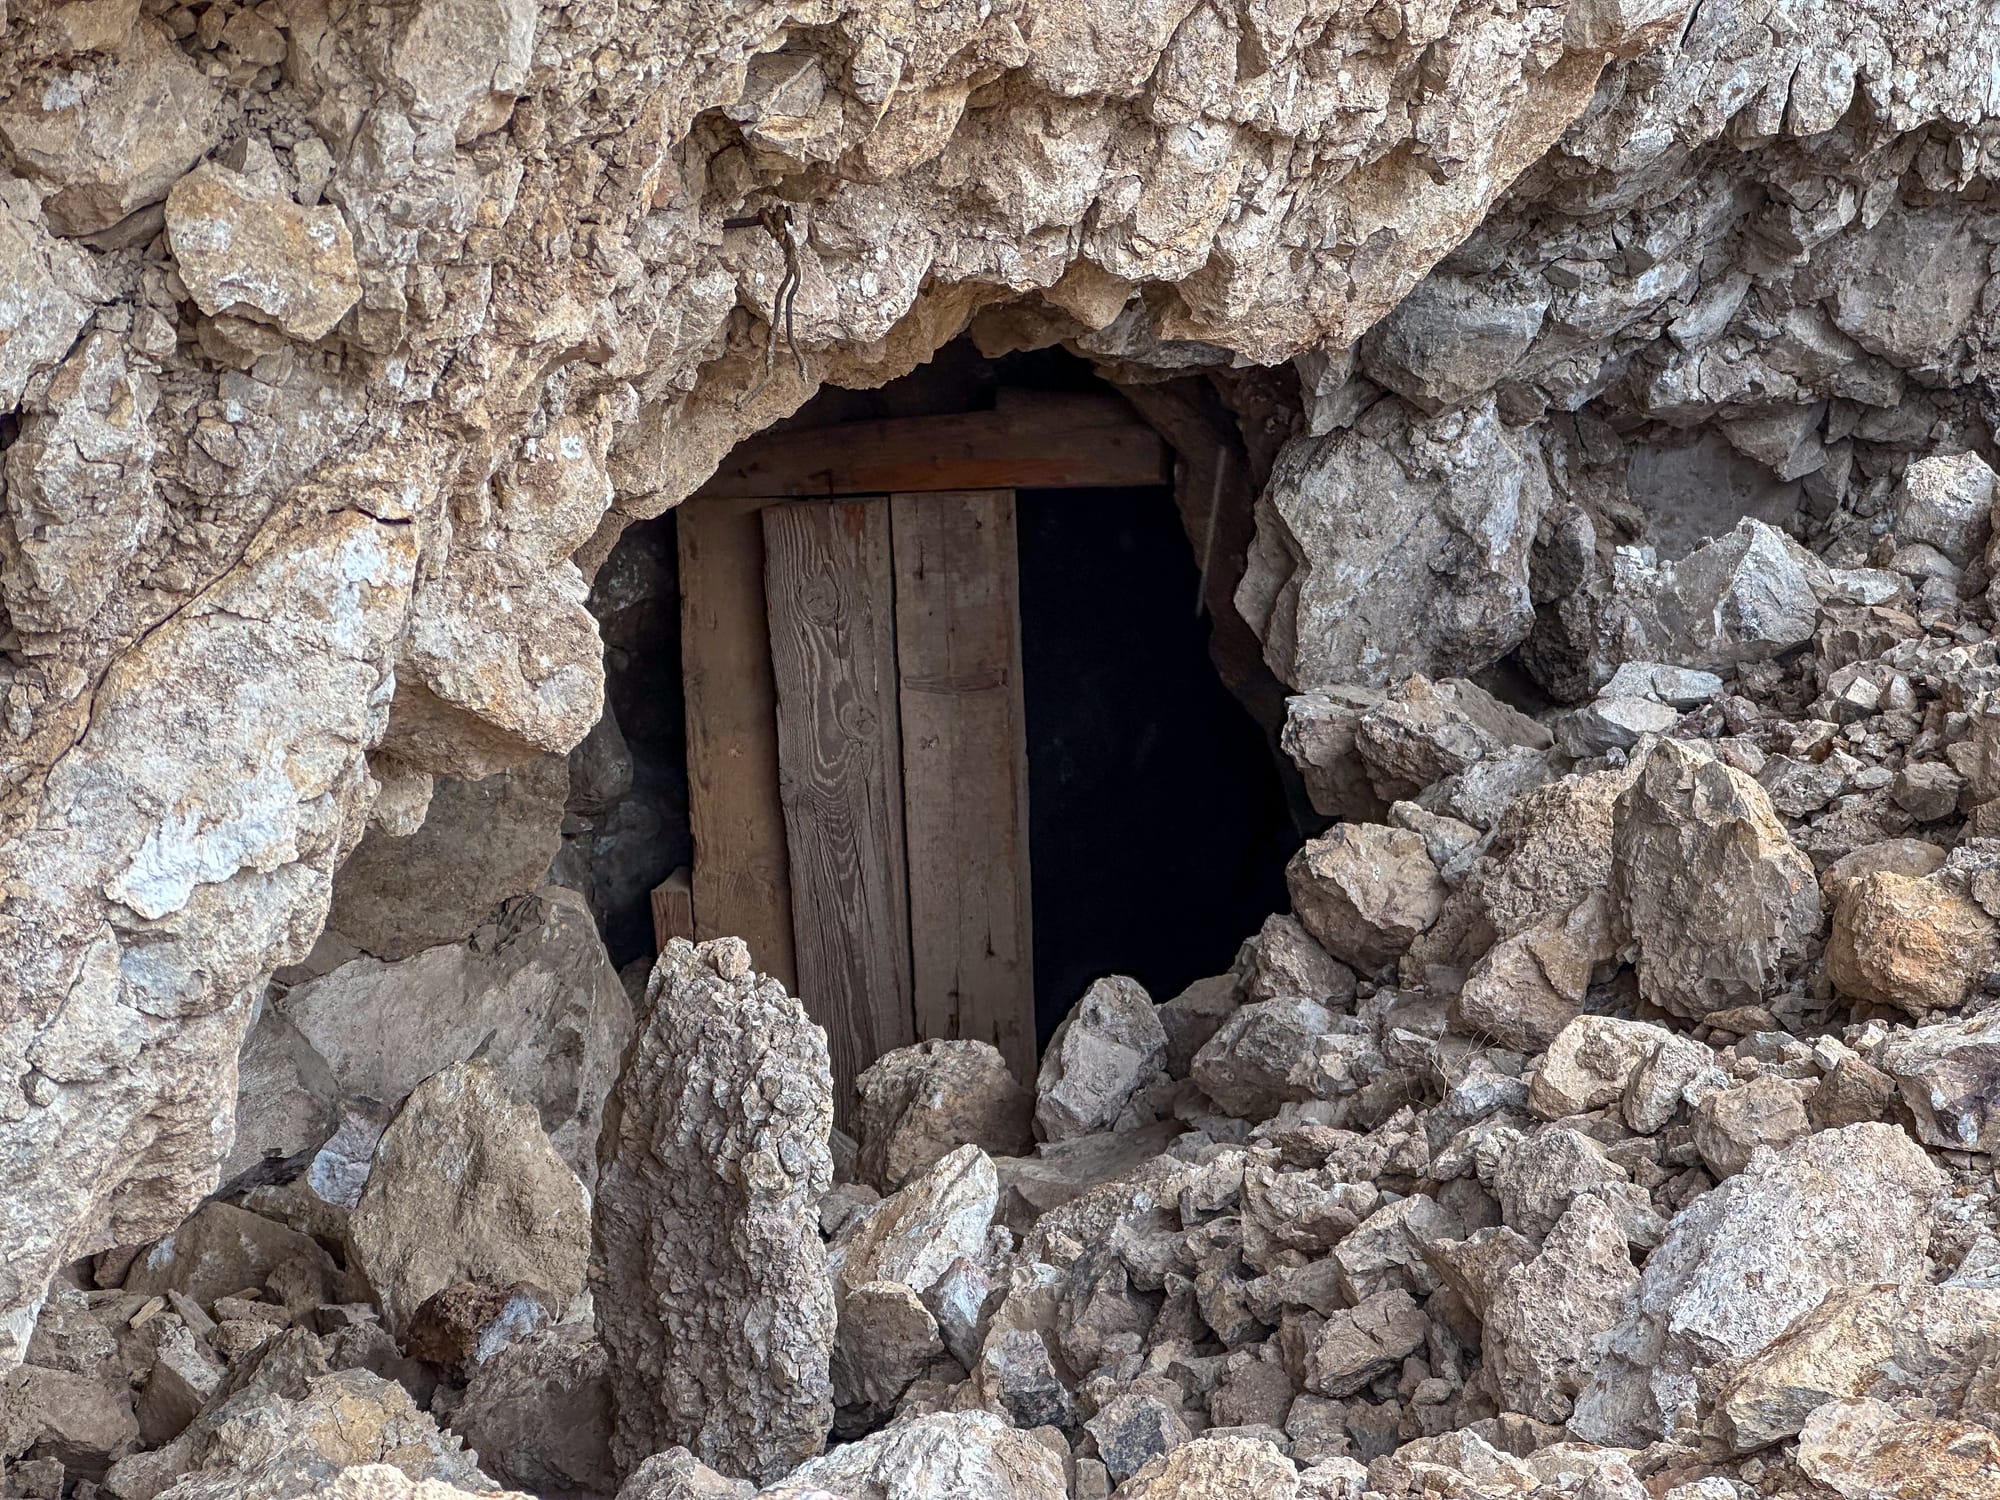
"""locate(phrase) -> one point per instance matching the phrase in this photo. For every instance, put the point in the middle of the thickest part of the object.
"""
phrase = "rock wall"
(339, 341)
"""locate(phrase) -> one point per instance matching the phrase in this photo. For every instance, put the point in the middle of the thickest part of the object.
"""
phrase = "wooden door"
(965, 771)
(858, 764)
(829, 591)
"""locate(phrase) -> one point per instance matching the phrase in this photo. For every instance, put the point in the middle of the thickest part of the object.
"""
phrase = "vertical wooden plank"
(829, 593)
(741, 885)
(965, 769)
(673, 908)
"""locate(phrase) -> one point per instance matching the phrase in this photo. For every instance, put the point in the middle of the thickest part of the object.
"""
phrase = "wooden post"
(741, 885)
(673, 909)
(965, 769)
(828, 591)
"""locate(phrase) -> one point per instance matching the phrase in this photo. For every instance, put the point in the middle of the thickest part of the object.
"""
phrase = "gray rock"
(678, 1475)
(538, 1413)
(465, 1187)
(971, 1454)
(1719, 902)
(1108, 1048)
(1424, 731)
(1887, 1342)
(1947, 502)
(1133, 1429)
(1543, 1319)
(533, 995)
(1365, 892)
(1739, 1264)
(1949, 1075)
(1359, 1343)
(917, 1104)
(1262, 1057)
(222, 1250)
(710, 1281)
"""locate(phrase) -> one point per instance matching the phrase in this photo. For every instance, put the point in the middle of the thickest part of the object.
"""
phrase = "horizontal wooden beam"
(1067, 442)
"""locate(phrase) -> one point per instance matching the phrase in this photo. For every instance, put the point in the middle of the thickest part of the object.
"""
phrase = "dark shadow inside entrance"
(1158, 827)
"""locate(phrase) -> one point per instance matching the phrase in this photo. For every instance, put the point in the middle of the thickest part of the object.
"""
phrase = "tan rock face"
(1908, 942)
(248, 251)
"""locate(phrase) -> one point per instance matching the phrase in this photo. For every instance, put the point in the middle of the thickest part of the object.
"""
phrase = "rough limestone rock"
(1261, 1057)
(678, 1475)
(1590, 1064)
(916, 1104)
(1730, 1125)
(1864, 1449)
(1949, 1076)
(1543, 1319)
(533, 996)
(710, 1280)
(1398, 546)
(1947, 502)
(1885, 1342)
(971, 1454)
(538, 1413)
(222, 1251)
(1107, 1049)
(246, 250)
(268, 1445)
(1210, 1468)
(1365, 892)
(1719, 902)
(1739, 1264)
(1909, 943)
(465, 1187)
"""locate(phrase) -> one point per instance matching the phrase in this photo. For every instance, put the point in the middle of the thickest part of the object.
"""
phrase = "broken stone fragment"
(1612, 722)
(1741, 1263)
(917, 1104)
(1719, 903)
(1424, 731)
(1262, 1057)
(1107, 1049)
(44, 309)
(1215, 1468)
(1287, 962)
(537, 1410)
(112, 138)
(1949, 1075)
(222, 1250)
(1946, 501)
(1193, 1016)
(1543, 1318)
(469, 1322)
(1133, 1429)
(678, 1475)
(1865, 1449)
(1908, 942)
(533, 995)
(82, 1421)
(246, 250)
(971, 1454)
(465, 1187)
(1365, 892)
(1358, 1343)
(1729, 1124)
(1589, 1064)
(1884, 1341)
(710, 1279)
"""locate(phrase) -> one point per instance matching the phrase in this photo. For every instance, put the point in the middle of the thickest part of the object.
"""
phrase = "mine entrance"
(954, 744)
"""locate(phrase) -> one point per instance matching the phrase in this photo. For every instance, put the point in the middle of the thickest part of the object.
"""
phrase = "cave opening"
(914, 671)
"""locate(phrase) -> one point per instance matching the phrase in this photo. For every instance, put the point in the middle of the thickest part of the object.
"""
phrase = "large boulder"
(465, 1187)
(1365, 892)
(532, 994)
(710, 1279)
(971, 1455)
(1107, 1049)
(916, 1104)
(1739, 1264)
(1719, 903)
(1908, 942)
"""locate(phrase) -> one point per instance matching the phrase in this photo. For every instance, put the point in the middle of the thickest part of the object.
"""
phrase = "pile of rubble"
(1612, 1117)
